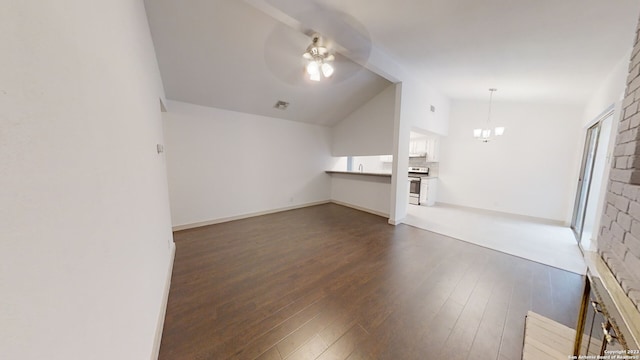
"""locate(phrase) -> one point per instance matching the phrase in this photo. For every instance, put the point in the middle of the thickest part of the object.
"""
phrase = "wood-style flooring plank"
(486, 344)
(310, 350)
(330, 282)
(519, 304)
(345, 345)
(271, 354)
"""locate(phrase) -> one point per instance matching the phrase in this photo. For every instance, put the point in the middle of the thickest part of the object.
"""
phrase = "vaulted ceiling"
(246, 55)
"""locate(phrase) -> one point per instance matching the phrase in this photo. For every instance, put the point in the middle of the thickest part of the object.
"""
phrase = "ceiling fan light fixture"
(318, 58)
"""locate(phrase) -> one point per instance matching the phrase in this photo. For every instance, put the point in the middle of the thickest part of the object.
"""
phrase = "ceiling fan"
(319, 59)
(313, 43)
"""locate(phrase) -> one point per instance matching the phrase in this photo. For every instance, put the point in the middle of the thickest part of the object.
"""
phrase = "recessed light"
(281, 105)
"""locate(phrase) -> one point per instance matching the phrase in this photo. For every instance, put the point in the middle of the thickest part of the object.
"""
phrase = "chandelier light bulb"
(484, 134)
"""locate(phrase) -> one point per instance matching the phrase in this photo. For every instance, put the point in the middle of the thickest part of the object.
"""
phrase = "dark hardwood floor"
(330, 282)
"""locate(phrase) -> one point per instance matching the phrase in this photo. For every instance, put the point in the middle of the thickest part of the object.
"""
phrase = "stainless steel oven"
(414, 190)
(415, 179)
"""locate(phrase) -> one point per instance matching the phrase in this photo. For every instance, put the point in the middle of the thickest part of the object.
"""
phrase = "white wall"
(417, 99)
(225, 164)
(368, 193)
(84, 221)
(530, 170)
(369, 129)
(606, 96)
(413, 99)
(413, 111)
(373, 164)
(609, 92)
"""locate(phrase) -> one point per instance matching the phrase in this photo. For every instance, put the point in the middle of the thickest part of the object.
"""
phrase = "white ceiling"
(228, 54)
(232, 55)
(555, 50)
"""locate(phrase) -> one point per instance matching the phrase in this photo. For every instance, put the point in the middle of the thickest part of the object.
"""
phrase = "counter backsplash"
(421, 162)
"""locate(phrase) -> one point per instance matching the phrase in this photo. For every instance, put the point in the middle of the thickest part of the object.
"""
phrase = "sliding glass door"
(584, 181)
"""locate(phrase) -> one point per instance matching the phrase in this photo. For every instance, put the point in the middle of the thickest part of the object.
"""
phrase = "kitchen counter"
(388, 175)
(425, 177)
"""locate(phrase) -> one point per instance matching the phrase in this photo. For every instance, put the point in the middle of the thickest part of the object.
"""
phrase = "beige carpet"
(521, 236)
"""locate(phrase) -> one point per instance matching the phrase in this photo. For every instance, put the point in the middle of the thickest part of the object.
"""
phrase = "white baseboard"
(502, 213)
(272, 211)
(245, 216)
(396, 222)
(163, 306)
(370, 211)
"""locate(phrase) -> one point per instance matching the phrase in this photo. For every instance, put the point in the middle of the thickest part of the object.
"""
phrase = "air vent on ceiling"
(281, 105)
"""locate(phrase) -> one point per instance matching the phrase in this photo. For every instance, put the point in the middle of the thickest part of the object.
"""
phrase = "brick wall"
(619, 241)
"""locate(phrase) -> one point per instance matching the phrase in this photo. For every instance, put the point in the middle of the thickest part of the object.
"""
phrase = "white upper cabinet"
(417, 147)
(433, 148)
(427, 146)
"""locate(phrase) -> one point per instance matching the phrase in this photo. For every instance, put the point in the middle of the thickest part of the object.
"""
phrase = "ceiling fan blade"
(283, 58)
(341, 32)
(283, 54)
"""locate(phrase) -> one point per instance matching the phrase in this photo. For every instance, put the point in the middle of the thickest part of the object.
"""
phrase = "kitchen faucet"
(360, 168)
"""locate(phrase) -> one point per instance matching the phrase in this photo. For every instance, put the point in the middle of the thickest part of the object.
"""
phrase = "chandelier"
(318, 60)
(484, 134)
